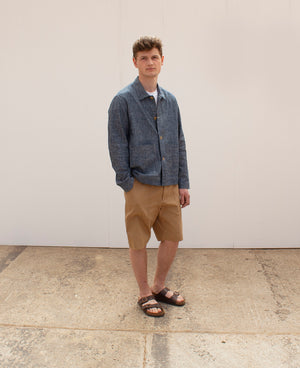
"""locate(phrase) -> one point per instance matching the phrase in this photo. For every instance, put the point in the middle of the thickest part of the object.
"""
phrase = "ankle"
(157, 287)
(145, 292)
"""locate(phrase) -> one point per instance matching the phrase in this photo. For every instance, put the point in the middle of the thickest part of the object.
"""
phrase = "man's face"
(148, 63)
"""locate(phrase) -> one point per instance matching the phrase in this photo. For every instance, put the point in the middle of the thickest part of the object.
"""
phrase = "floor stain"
(11, 256)
(19, 346)
(160, 351)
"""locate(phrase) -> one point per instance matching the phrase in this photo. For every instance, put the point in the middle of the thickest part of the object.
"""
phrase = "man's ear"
(134, 61)
(162, 60)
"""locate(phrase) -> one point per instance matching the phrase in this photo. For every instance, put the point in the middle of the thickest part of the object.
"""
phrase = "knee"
(169, 243)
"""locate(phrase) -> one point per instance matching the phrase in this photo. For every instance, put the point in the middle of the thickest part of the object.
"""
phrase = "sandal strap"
(164, 293)
(143, 303)
(146, 299)
(150, 306)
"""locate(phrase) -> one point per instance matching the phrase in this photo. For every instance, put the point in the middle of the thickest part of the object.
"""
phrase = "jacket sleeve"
(183, 175)
(118, 131)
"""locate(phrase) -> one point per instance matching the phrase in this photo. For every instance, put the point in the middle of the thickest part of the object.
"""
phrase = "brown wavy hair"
(146, 43)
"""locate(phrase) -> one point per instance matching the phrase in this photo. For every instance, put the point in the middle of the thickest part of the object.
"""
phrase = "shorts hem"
(168, 238)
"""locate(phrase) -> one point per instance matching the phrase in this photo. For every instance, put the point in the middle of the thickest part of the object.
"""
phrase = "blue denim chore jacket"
(146, 140)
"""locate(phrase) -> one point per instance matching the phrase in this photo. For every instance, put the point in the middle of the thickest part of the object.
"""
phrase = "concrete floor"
(76, 307)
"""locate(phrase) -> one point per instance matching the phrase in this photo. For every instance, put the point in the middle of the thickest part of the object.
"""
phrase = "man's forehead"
(153, 51)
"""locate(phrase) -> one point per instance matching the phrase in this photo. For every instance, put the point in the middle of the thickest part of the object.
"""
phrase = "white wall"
(234, 67)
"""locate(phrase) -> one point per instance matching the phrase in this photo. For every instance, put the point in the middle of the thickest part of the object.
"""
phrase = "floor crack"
(280, 298)
(145, 351)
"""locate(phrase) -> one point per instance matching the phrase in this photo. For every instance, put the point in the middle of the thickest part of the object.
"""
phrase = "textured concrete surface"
(76, 307)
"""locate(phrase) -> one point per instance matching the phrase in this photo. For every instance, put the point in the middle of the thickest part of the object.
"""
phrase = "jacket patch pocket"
(144, 158)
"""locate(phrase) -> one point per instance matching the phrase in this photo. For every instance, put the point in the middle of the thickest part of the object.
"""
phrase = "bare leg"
(166, 254)
(138, 258)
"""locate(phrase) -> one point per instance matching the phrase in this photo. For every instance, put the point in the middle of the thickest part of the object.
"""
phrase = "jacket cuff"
(127, 184)
(184, 184)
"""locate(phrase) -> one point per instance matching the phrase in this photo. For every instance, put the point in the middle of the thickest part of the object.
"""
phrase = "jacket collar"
(141, 93)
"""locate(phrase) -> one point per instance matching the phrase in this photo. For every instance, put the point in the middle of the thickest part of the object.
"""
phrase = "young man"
(147, 150)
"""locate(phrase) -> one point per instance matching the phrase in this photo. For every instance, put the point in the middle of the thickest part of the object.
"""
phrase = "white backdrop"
(234, 67)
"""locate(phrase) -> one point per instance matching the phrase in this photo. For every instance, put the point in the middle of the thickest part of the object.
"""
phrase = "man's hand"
(184, 196)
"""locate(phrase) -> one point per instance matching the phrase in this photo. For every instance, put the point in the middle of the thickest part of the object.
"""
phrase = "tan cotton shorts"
(150, 206)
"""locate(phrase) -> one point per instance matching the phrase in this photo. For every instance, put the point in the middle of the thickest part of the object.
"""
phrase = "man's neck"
(149, 84)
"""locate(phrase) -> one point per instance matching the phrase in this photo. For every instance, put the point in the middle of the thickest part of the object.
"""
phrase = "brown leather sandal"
(144, 306)
(161, 296)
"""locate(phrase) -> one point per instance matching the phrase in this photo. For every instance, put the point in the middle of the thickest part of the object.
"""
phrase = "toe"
(171, 293)
(154, 310)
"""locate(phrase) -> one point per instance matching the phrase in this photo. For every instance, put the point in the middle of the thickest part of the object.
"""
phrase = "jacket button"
(163, 159)
(155, 117)
(160, 137)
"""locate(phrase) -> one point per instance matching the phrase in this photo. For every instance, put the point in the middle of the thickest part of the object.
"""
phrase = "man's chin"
(152, 74)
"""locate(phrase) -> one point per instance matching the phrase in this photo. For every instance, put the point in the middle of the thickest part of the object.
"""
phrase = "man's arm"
(183, 175)
(118, 130)
(184, 197)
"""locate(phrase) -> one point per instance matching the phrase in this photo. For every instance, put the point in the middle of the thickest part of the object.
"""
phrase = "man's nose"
(150, 61)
